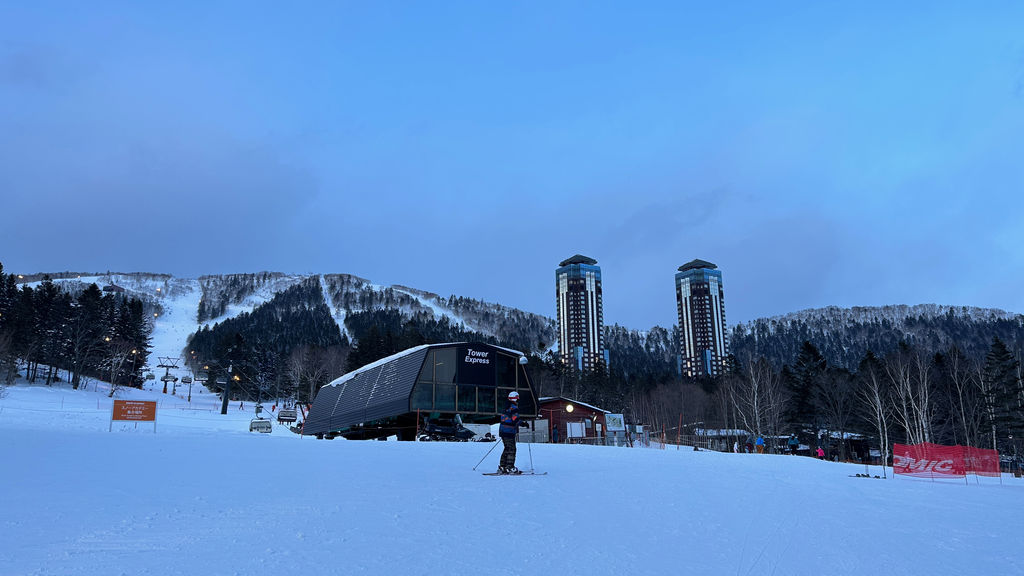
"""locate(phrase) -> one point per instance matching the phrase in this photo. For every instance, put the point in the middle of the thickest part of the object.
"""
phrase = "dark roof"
(378, 390)
(696, 264)
(578, 259)
(552, 399)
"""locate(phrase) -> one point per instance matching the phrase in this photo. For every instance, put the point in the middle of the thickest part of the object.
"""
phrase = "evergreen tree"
(1001, 386)
(802, 381)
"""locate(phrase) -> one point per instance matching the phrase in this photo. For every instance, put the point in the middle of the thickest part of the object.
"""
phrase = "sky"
(820, 155)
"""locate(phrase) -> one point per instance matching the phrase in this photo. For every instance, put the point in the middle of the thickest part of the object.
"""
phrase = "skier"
(821, 453)
(760, 445)
(510, 424)
(793, 444)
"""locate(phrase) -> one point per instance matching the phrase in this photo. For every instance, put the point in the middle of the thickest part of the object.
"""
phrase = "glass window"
(486, 400)
(422, 397)
(444, 366)
(467, 398)
(506, 372)
(427, 373)
(527, 403)
(444, 397)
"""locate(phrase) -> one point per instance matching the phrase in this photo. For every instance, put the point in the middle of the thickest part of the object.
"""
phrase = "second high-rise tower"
(580, 313)
(700, 299)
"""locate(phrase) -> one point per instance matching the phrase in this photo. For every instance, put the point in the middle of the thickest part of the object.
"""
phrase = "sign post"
(133, 411)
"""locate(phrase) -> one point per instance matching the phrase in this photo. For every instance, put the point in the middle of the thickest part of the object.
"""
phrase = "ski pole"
(488, 453)
(529, 447)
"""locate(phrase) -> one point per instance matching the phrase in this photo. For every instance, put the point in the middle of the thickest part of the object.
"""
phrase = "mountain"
(285, 323)
(295, 311)
(844, 335)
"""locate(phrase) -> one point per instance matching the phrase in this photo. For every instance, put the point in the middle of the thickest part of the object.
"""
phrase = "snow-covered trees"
(81, 333)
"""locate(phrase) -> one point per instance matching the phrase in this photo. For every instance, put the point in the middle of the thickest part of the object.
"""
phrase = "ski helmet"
(513, 396)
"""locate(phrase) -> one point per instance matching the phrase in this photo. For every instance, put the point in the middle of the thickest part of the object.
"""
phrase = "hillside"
(844, 335)
(183, 307)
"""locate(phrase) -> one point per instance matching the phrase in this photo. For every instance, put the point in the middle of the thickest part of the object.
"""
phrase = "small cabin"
(572, 421)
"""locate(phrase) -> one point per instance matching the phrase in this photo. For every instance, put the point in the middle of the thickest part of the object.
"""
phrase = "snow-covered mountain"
(180, 306)
(844, 335)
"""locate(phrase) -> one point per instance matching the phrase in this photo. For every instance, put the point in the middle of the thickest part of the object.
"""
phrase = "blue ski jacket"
(509, 422)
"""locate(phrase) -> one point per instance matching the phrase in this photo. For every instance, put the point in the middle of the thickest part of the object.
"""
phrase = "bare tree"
(309, 368)
(120, 353)
(758, 398)
(910, 374)
(963, 393)
(835, 397)
(873, 394)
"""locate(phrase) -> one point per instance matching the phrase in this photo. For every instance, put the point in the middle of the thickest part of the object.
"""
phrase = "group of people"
(758, 445)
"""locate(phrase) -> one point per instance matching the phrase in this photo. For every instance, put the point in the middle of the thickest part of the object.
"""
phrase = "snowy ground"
(204, 496)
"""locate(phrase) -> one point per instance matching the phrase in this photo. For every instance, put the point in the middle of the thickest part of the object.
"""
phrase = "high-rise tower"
(580, 313)
(703, 342)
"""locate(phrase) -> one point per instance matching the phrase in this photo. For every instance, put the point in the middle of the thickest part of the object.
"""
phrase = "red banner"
(981, 462)
(934, 460)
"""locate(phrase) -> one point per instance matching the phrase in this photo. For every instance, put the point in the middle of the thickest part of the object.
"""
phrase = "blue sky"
(821, 155)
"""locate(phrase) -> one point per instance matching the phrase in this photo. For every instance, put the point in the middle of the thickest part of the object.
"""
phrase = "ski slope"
(202, 495)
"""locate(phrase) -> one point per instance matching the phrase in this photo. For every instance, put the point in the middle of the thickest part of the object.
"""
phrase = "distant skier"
(510, 424)
(793, 444)
(821, 453)
(760, 445)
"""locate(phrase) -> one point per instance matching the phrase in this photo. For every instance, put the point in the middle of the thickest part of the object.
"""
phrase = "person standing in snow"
(793, 444)
(821, 453)
(760, 445)
(508, 429)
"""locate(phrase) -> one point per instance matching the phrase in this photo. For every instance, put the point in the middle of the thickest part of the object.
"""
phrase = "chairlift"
(287, 415)
(150, 376)
(260, 425)
(186, 379)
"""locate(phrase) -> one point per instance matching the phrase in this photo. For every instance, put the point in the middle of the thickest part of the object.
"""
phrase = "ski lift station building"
(387, 398)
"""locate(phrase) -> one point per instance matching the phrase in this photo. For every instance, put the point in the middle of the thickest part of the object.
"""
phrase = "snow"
(263, 293)
(202, 495)
(337, 312)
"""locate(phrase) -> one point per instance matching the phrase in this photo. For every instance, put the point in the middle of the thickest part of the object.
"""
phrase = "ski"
(519, 474)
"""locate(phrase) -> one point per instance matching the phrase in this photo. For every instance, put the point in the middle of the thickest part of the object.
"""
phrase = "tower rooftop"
(578, 259)
(696, 264)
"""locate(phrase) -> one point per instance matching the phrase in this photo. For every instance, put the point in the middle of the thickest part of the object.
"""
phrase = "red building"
(572, 421)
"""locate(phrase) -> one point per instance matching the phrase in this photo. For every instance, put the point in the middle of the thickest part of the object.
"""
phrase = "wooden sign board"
(133, 411)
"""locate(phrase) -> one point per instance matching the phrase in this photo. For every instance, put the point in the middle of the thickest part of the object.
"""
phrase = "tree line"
(907, 395)
(90, 334)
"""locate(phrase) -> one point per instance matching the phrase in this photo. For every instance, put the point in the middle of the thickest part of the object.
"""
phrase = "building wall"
(555, 412)
(703, 342)
(580, 312)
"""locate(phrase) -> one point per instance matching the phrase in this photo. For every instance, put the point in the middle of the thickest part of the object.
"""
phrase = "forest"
(57, 335)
